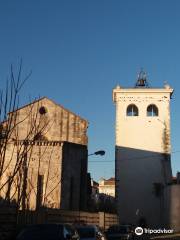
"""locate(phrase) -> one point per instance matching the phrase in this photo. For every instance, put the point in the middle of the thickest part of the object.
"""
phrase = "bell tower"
(142, 152)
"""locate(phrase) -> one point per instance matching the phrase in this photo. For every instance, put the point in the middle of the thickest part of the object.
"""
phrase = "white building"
(142, 157)
(107, 186)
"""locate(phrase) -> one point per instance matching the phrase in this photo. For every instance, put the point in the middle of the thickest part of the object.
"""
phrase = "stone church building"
(45, 160)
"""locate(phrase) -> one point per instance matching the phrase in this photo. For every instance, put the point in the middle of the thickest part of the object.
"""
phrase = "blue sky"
(78, 50)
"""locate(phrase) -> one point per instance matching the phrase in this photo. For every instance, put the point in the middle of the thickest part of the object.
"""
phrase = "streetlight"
(100, 152)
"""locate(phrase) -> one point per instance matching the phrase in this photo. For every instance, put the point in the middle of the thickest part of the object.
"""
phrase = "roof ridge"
(40, 99)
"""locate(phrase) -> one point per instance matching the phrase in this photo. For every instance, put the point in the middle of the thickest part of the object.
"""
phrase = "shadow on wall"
(141, 181)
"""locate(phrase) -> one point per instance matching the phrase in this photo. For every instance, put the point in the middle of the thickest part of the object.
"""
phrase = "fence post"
(102, 220)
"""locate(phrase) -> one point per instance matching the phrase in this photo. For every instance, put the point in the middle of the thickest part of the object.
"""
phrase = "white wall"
(140, 145)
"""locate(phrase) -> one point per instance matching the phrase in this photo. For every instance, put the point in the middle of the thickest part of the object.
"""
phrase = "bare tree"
(9, 100)
(16, 150)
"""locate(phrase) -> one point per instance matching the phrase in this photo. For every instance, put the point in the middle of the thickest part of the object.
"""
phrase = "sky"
(79, 50)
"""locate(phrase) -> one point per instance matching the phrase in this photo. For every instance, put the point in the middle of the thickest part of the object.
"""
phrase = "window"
(42, 110)
(39, 196)
(132, 110)
(152, 111)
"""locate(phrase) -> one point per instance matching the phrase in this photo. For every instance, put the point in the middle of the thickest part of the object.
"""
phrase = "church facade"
(45, 157)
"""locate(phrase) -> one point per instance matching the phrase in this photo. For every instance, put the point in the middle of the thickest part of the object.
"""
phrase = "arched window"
(152, 111)
(132, 110)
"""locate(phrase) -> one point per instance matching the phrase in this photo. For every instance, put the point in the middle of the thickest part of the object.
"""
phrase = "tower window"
(152, 111)
(132, 110)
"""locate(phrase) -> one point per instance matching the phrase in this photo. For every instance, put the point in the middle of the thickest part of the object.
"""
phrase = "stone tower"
(142, 153)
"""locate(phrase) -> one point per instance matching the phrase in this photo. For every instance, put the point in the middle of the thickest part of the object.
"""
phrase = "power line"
(145, 156)
(100, 161)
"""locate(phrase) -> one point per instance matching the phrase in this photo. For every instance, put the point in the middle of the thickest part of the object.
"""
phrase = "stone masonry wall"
(35, 151)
